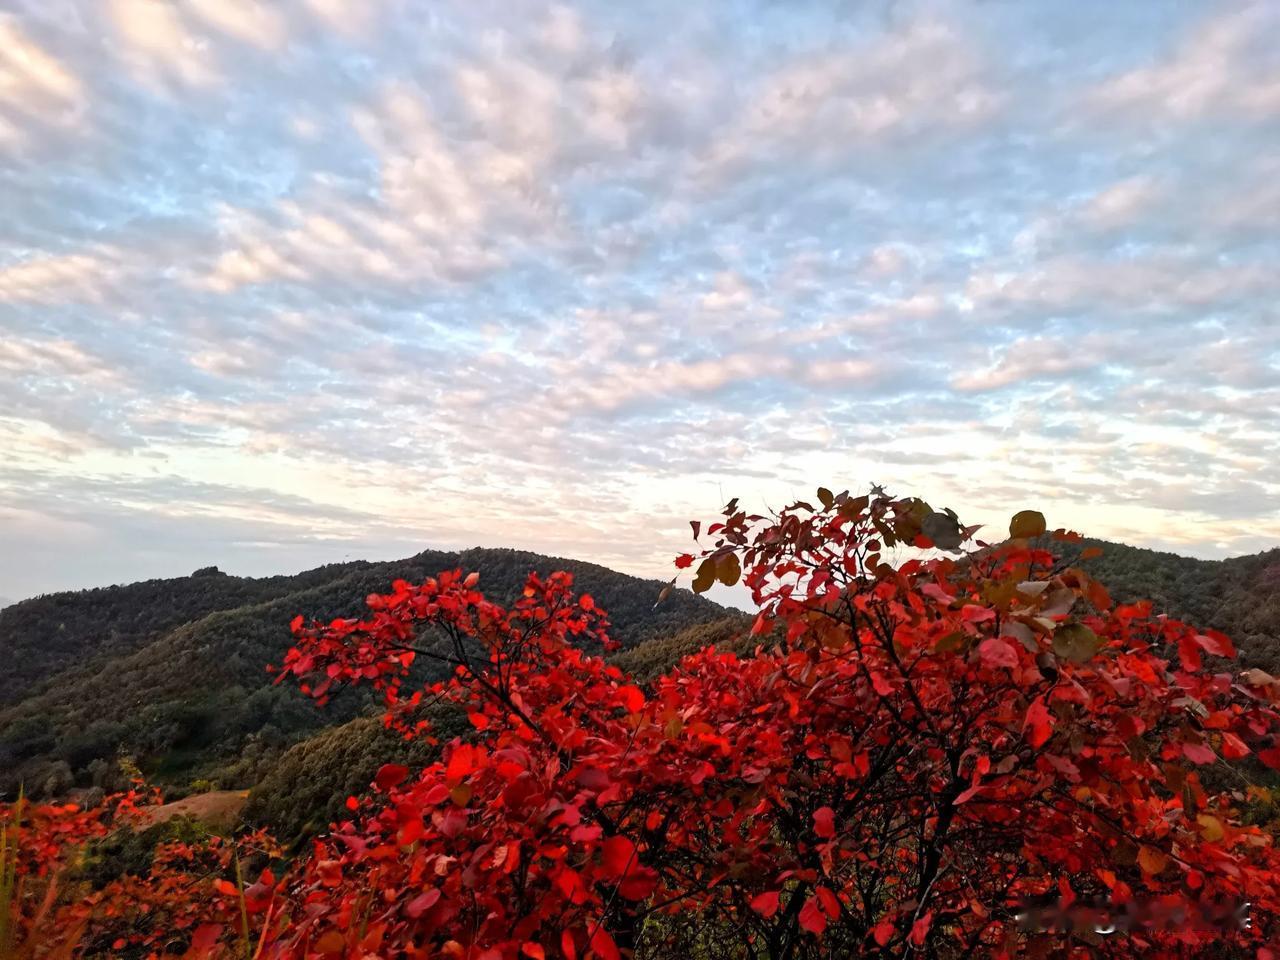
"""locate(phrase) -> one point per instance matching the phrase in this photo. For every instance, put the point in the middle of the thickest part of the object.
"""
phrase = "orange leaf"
(1152, 860)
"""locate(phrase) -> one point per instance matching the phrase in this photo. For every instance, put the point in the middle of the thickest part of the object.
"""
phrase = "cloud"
(1031, 360)
(1122, 203)
(347, 277)
(826, 103)
(36, 89)
(1173, 282)
(158, 45)
(1225, 68)
(58, 278)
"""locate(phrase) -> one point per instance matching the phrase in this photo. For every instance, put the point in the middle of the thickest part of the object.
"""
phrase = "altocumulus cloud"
(292, 281)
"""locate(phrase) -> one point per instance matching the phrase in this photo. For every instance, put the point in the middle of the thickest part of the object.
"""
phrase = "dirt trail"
(219, 809)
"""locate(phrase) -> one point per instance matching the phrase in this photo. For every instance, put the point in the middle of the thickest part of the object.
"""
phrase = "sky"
(290, 283)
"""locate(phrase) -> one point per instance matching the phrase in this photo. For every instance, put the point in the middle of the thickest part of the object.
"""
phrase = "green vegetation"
(653, 657)
(177, 678)
(50, 639)
(306, 789)
(1239, 596)
(170, 671)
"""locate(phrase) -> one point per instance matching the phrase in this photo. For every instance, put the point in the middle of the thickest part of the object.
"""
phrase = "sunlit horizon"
(288, 284)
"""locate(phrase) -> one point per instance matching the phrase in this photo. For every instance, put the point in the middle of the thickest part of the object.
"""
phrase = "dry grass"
(218, 809)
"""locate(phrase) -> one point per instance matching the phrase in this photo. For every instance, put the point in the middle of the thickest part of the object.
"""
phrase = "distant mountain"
(44, 636)
(173, 672)
(305, 790)
(1239, 596)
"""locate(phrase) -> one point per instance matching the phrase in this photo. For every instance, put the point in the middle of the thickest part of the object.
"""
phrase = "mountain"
(1239, 596)
(173, 672)
(305, 790)
(46, 635)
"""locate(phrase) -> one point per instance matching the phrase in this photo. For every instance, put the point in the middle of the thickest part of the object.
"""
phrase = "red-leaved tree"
(965, 755)
(192, 901)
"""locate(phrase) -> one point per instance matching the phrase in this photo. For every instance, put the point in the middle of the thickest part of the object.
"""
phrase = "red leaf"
(638, 884)
(812, 918)
(995, 652)
(1233, 748)
(462, 761)
(684, 561)
(422, 903)
(824, 819)
(766, 904)
(883, 932)
(204, 939)
(471, 581)
(967, 795)
(533, 950)
(1270, 757)
(569, 882)
(617, 856)
(1198, 753)
(1218, 644)
(829, 902)
(973, 613)
(1189, 653)
(920, 929)
(936, 592)
(632, 698)
(602, 945)
(390, 774)
(1039, 721)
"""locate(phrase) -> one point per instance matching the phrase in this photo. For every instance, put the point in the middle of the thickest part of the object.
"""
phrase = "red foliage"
(36, 845)
(184, 905)
(932, 753)
(945, 756)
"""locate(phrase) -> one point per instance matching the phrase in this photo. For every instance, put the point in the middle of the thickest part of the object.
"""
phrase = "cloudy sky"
(284, 283)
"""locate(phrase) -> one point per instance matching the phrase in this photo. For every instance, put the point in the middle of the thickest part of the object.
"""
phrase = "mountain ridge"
(171, 671)
(174, 671)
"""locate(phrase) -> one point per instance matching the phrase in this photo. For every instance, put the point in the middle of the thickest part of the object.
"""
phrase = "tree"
(191, 900)
(975, 754)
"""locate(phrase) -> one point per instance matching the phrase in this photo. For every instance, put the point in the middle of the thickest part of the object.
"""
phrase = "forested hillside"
(47, 635)
(1239, 596)
(173, 672)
